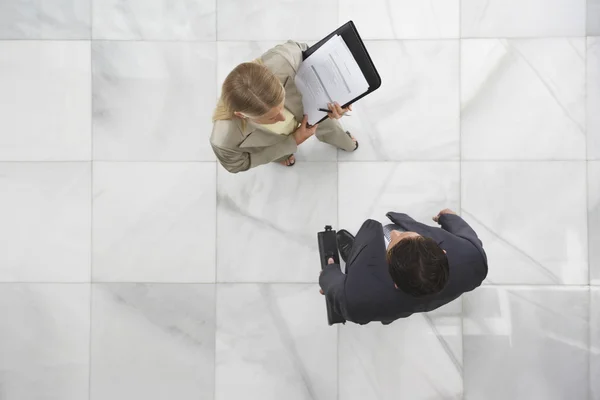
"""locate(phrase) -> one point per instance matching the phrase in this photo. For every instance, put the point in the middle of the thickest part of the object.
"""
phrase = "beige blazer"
(239, 147)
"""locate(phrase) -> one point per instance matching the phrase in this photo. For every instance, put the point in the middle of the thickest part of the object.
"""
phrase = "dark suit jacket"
(367, 293)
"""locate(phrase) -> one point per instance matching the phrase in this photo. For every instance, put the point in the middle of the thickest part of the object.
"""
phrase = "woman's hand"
(336, 111)
(304, 132)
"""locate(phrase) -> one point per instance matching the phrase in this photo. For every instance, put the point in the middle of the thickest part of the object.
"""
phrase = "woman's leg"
(330, 131)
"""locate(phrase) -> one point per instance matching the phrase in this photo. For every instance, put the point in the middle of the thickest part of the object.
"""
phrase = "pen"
(328, 111)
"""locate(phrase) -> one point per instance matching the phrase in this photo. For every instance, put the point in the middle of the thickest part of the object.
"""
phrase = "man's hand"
(304, 132)
(336, 111)
(330, 261)
(444, 211)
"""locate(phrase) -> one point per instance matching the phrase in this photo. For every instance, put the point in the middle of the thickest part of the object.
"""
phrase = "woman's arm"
(274, 152)
(233, 161)
(237, 160)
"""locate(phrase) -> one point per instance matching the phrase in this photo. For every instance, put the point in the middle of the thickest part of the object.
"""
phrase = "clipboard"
(349, 33)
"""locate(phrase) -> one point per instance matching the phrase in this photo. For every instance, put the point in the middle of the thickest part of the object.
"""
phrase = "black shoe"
(355, 148)
(345, 241)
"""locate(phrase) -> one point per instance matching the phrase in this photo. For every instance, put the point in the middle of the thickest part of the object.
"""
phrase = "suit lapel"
(355, 253)
(257, 136)
(368, 235)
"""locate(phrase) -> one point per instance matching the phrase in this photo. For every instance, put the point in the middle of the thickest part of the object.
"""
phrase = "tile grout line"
(589, 343)
(90, 345)
(215, 282)
(587, 214)
(415, 161)
(305, 39)
(587, 162)
(460, 194)
(91, 195)
(216, 23)
(216, 164)
(337, 211)
(533, 286)
(110, 161)
(337, 214)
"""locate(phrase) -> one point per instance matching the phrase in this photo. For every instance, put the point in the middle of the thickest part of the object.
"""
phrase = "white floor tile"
(268, 218)
(415, 113)
(524, 343)
(531, 217)
(54, 19)
(45, 233)
(418, 358)
(594, 220)
(300, 20)
(153, 101)
(272, 347)
(523, 18)
(44, 341)
(153, 341)
(593, 17)
(419, 189)
(154, 20)
(402, 19)
(593, 97)
(523, 99)
(154, 222)
(45, 101)
(595, 342)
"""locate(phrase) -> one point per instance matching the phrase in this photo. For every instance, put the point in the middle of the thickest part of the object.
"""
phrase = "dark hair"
(418, 266)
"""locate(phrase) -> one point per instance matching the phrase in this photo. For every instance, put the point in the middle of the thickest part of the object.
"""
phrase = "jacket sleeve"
(459, 227)
(233, 161)
(333, 281)
(237, 160)
(272, 153)
(289, 51)
(399, 218)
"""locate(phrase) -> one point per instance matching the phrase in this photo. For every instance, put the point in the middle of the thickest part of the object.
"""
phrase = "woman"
(257, 117)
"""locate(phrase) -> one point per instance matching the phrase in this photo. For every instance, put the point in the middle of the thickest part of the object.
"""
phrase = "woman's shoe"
(348, 133)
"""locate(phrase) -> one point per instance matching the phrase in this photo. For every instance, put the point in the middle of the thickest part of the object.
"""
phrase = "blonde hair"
(250, 89)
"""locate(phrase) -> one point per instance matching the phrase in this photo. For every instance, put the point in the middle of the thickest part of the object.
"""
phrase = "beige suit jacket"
(239, 146)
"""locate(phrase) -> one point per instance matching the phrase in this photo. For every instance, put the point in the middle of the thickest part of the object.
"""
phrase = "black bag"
(328, 249)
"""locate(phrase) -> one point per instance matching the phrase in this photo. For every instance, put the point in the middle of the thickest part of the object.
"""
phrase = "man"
(397, 270)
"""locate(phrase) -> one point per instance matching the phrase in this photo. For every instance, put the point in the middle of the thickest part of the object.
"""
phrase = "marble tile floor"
(132, 266)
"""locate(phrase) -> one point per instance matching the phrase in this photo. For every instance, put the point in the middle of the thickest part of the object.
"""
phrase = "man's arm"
(332, 282)
(457, 226)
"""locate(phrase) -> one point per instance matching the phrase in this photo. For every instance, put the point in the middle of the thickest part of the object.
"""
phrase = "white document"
(328, 75)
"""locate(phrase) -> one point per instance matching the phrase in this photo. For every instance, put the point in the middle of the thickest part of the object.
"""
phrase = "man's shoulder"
(371, 223)
(466, 261)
